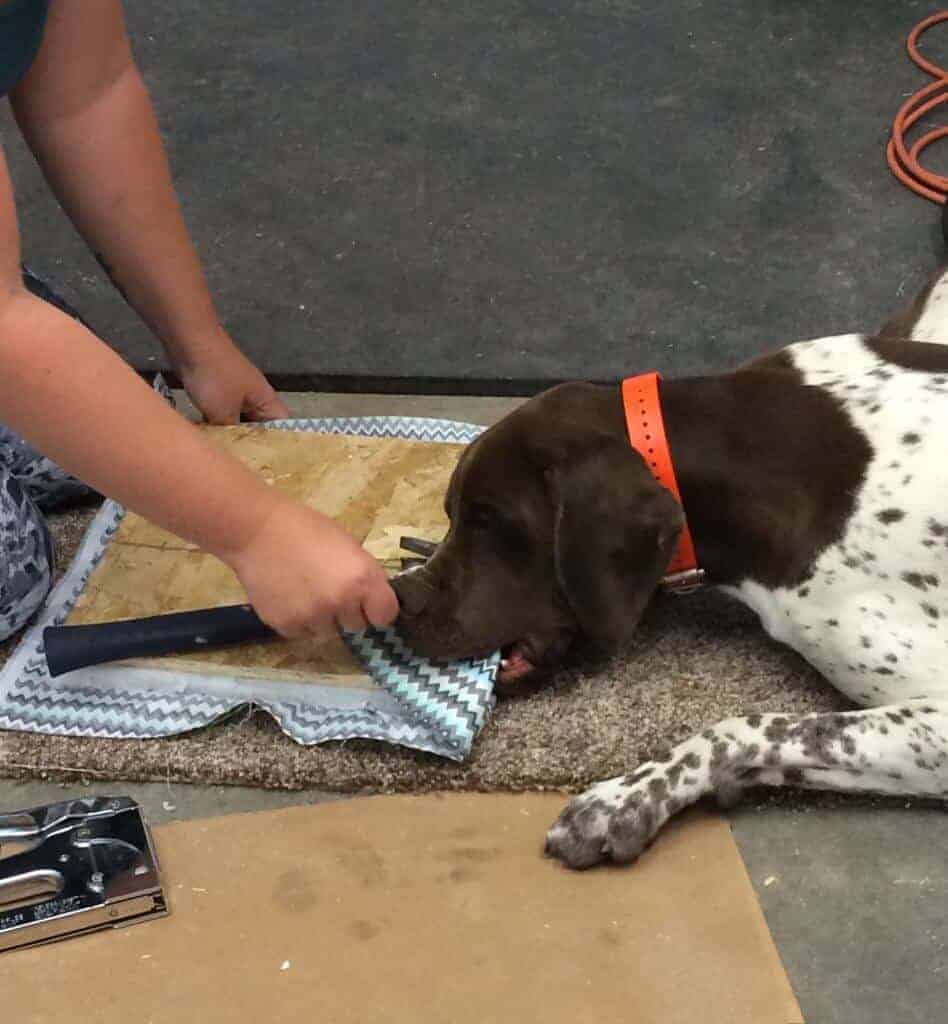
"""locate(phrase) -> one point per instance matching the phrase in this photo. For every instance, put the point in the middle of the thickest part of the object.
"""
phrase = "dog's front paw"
(615, 820)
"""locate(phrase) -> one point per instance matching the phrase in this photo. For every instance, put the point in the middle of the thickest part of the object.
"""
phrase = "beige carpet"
(698, 659)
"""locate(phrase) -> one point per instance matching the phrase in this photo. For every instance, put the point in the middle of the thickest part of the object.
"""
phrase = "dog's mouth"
(534, 656)
(517, 661)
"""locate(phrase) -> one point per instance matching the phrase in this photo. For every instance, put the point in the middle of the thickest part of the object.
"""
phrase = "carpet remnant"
(696, 660)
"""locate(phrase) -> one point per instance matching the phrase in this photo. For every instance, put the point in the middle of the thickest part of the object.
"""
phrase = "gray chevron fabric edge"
(452, 699)
(439, 708)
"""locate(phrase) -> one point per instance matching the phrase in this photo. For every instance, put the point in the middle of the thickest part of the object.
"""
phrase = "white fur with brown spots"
(873, 617)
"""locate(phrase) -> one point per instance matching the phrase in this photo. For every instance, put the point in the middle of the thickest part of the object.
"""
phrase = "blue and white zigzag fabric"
(435, 707)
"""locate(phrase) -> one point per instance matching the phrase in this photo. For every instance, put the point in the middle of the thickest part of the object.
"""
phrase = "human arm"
(86, 114)
(75, 400)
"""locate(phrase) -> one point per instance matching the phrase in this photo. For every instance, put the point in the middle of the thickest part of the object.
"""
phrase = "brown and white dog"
(814, 482)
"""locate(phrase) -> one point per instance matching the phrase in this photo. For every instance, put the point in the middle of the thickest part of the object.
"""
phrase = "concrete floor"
(496, 192)
(854, 894)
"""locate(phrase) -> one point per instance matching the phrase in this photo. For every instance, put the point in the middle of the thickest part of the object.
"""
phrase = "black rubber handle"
(71, 647)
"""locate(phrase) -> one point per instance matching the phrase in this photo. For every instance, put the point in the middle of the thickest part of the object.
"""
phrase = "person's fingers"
(350, 617)
(303, 617)
(380, 605)
(213, 405)
(321, 624)
(288, 626)
(221, 417)
(265, 404)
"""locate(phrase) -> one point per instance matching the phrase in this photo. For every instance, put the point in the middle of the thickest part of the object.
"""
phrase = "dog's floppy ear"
(615, 534)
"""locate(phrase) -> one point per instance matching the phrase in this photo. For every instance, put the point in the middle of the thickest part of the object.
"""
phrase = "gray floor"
(856, 907)
(518, 191)
(855, 894)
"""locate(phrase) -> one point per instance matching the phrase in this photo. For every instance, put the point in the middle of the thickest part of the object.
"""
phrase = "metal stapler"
(74, 867)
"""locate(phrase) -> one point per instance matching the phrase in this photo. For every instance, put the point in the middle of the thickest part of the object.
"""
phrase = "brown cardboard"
(420, 909)
(379, 489)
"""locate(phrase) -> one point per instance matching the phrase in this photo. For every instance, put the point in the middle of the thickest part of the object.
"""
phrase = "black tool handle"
(71, 647)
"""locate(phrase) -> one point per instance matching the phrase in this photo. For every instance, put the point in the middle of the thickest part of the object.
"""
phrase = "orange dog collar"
(646, 427)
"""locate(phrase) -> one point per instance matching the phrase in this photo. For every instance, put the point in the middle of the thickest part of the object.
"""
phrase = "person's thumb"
(380, 605)
(218, 414)
(265, 404)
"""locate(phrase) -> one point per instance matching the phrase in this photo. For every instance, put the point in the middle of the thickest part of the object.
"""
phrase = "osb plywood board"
(379, 489)
(402, 910)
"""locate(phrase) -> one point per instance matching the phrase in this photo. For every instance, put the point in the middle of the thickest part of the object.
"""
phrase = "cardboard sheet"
(377, 488)
(396, 910)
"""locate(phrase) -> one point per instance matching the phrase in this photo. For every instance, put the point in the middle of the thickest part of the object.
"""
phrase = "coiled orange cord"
(903, 162)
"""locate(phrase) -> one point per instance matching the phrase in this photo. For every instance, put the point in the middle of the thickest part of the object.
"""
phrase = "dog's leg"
(901, 749)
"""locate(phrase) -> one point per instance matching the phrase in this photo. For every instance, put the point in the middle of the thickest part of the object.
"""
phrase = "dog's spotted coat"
(872, 616)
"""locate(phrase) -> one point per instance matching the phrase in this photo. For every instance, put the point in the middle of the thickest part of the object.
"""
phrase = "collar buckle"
(681, 583)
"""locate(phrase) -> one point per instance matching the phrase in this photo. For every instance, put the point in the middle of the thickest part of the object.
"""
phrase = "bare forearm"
(76, 401)
(107, 166)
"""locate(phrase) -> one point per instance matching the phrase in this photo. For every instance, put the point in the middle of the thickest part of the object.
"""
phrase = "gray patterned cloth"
(29, 484)
(47, 486)
(26, 554)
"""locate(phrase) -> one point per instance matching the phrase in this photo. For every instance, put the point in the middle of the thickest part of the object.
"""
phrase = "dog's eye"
(494, 530)
(481, 516)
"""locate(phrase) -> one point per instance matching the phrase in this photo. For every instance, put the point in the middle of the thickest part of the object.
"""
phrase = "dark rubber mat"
(489, 195)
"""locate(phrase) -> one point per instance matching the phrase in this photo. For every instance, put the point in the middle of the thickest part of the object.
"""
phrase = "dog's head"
(558, 532)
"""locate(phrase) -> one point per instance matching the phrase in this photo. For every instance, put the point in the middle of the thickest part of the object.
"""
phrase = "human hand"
(225, 385)
(305, 575)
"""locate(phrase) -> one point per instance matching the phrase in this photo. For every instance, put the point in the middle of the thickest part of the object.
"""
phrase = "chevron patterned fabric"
(436, 707)
(452, 699)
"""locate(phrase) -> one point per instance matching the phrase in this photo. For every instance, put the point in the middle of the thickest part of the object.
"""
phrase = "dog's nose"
(413, 590)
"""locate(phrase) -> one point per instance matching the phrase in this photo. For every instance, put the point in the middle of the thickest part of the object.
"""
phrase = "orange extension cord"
(904, 162)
